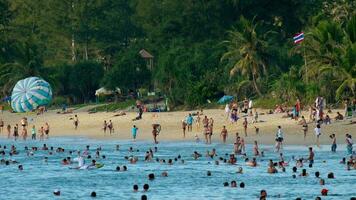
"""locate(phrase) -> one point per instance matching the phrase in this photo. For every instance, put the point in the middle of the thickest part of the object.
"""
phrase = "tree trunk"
(255, 85)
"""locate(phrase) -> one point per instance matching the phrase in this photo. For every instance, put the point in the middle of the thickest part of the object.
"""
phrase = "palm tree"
(245, 49)
(28, 62)
(331, 51)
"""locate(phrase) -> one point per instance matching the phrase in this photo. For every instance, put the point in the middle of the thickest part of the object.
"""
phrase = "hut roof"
(145, 54)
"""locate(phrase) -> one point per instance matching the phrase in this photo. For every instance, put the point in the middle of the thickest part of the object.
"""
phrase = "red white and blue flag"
(298, 38)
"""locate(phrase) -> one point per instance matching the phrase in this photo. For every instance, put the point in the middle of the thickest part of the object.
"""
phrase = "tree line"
(202, 49)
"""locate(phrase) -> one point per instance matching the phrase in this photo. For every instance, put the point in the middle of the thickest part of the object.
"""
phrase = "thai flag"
(298, 38)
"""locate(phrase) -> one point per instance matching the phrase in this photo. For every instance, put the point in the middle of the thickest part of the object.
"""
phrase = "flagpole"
(305, 65)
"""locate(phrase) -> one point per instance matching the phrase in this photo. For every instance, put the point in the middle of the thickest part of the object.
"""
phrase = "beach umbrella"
(30, 93)
(225, 99)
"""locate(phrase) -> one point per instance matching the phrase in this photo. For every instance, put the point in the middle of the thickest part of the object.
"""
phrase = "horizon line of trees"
(202, 49)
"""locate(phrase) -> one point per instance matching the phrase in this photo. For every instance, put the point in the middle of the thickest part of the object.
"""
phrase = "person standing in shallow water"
(1, 125)
(33, 133)
(279, 139)
(8, 128)
(333, 143)
(46, 129)
(134, 132)
(24, 133)
(223, 134)
(349, 143)
(206, 128)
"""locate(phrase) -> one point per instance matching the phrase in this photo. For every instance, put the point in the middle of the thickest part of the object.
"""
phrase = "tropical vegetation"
(202, 49)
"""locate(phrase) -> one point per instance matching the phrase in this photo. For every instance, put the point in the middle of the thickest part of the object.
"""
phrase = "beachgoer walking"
(16, 132)
(134, 132)
(245, 123)
(110, 127)
(8, 128)
(46, 129)
(304, 127)
(255, 117)
(349, 143)
(297, 108)
(279, 139)
(33, 133)
(211, 129)
(227, 111)
(76, 122)
(105, 126)
(317, 131)
(333, 143)
(155, 132)
(184, 127)
(256, 152)
(24, 133)
(197, 121)
(42, 133)
(206, 128)
(245, 106)
(24, 122)
(1, 125)
(223, 134)
(250, 106)
(189, 122)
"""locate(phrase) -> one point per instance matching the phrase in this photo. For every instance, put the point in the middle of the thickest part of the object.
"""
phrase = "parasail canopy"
(30, 93)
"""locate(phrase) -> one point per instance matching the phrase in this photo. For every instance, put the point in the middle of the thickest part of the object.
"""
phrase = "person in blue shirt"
(190, 122)
(134, 132)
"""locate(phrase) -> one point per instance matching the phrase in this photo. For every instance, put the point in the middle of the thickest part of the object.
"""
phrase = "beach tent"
(103, 91)
(30, 93)
(225, 99)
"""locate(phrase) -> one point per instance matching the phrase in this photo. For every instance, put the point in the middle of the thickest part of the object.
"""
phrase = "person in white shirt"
(279, 139)
(317, 131)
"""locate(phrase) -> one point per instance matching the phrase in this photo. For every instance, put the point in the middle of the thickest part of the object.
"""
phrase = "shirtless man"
(24, 133)
(245, 123)
(206, 128)
(46, 129)
(223, 134)
(1, 125)
(255, 149)
(211, 129)
(184, 127)
(155, 132)
(333, 144)
(305, 126)
(311, 156)
(76, 122)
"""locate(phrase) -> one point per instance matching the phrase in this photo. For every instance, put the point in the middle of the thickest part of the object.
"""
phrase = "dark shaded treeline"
(202, 48)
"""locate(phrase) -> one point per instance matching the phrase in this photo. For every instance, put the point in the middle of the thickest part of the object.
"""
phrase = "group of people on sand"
(16, 132)
(246, 108)
(108, 125)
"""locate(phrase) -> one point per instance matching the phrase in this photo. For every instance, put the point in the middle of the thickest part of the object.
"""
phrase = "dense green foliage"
(202, 49)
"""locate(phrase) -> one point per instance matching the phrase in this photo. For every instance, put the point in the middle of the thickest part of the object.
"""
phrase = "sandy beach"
(90, 126)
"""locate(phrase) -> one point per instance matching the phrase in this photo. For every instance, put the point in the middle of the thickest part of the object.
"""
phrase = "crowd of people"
(77, 159)
(16, 132)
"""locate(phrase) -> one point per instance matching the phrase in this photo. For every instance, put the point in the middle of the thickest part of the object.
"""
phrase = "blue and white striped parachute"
(30, 93)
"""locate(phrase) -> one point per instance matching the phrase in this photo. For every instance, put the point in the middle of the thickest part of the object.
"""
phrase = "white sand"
(91, 126)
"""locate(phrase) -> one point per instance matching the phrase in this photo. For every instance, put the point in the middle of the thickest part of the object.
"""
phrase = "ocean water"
(39, 179)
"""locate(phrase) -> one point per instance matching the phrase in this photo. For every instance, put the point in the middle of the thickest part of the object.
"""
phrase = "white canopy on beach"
(103, 91)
